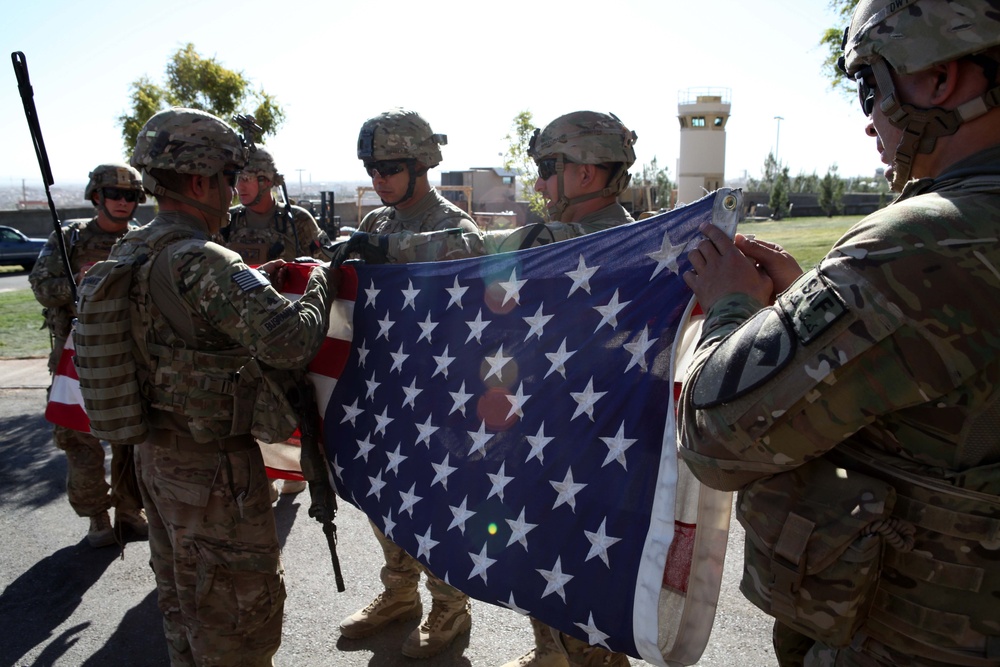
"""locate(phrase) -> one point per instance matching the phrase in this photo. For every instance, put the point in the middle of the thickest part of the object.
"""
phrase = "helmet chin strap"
(220, 213)
(411, 169)
(103, 207)
(557, 208)
(922, 127)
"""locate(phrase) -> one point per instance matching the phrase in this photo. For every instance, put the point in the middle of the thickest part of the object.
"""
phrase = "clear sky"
(467, 66)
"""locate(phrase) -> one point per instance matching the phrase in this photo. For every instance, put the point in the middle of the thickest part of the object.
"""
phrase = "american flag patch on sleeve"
(250, 279)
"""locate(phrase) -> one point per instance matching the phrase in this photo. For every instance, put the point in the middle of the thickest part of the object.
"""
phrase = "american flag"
(509, 421)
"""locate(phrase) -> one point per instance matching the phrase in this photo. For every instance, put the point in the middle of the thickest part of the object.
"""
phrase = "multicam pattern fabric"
(585, 137)
(260, 162)
(431, 214)
(187, 141)
(114, 175)
(259, 237)
(903, 385)
(399, 134)
(913, 35)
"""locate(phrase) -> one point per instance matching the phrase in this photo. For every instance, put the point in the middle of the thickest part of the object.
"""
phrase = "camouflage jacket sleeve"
(311, 238)
(48, 277)
(227, 299)
(886, 342)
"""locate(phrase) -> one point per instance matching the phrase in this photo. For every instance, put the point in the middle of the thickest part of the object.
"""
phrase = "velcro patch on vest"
(744, 360)
(811, 305)
(250, 279)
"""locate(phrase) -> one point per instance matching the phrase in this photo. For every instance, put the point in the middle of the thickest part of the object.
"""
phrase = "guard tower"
(702, 113)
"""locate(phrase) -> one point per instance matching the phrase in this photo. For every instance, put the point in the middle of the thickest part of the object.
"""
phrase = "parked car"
(16, 249)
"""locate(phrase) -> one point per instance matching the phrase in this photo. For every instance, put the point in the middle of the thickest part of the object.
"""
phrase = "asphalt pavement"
(64, 604)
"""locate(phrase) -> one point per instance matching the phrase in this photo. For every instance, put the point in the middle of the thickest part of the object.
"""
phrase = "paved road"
(64, 604)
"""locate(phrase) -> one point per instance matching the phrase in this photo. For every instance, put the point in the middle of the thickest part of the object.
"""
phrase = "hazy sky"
(469, 67)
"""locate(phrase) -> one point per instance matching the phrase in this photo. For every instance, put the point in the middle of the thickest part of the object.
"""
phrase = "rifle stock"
(31, 114)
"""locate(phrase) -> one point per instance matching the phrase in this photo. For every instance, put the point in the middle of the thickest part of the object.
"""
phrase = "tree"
(657, 179)
(831, 192)
(516, 159)
(198, 83)
(833, 39)
(772, 168)
(778, 202)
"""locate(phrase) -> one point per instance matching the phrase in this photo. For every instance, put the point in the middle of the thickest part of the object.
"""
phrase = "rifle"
(28, 100)
(323, 505)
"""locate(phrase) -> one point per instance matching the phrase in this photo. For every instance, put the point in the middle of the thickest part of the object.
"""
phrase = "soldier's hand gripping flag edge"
(509, 421)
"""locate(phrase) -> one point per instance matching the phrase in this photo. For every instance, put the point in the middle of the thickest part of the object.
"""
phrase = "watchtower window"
(717, 121)
(698, 121)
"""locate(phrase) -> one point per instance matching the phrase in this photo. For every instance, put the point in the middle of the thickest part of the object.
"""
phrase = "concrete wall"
(38, 222)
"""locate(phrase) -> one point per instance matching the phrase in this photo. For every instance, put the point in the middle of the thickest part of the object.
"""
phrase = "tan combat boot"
(101, 534)
(389, 606)
(582, 654)
(547, 651)
(291, 487)
(446, 621)
(133, 520)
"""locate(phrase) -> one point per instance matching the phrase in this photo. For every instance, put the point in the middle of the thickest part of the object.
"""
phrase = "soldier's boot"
(101, 534)
(132, 520)
(447, 620)
(582, 654)
(389, 606)
(548, 651)
(291, 486)
(273, 490)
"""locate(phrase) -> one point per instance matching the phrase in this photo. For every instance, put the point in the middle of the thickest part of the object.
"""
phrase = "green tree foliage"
(831, 192)
(778, 201)
(832, 40)
(516, 159)
(657, 180)
(198, 83)
(772, 169)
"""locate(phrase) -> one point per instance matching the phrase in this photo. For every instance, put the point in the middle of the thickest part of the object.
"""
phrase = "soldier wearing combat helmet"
(208, 333)
(856, 406)
(115, 191)
(397, 148)
(260, 229)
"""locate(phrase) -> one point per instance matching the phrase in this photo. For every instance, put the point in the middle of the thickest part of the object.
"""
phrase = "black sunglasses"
(385, 168)
(547, 168)
(866, 90)
(115, 194)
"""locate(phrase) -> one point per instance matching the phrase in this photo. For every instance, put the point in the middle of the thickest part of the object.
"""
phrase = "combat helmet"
(585, 137)
(399, 134)
(187, 141)
(911, 36)
(261, 163)
(114, 175)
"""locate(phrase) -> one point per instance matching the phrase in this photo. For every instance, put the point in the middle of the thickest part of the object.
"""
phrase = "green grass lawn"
(21, 332)
(807, 239)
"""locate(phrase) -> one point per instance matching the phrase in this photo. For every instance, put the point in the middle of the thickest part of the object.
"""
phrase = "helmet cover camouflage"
(114, 175)
(187, 141)
(261, 162)
(585, 137)
(399, 134)
(913, 35)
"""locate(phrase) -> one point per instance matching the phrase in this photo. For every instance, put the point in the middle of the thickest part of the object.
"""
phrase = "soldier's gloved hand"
(372, 248)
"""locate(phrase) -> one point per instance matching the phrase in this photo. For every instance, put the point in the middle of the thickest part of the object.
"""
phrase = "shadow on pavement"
(137, 641)
(32, 470)
(41, 599)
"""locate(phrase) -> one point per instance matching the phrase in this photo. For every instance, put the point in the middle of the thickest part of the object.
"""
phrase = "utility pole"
(777, 138)
(301, 191)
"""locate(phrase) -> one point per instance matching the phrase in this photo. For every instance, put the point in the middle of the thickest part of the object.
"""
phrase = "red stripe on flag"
(678, 567)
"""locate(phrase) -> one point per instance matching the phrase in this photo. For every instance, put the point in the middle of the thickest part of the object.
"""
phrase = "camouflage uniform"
(857, 416)
(86, 243)
(203, 321)
(277, 233)
(431, 214)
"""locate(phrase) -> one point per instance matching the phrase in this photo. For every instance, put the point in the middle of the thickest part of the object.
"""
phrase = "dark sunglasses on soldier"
(866, 89)
(547, 168)
(385, 168)
(231, 176)
(116, 194)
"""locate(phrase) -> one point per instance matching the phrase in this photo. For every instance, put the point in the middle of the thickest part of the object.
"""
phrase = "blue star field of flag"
(503, 419)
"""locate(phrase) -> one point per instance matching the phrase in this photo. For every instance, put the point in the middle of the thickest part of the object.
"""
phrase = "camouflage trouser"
(401, 570)
(217, 561)
(86, 486)
(797, 650)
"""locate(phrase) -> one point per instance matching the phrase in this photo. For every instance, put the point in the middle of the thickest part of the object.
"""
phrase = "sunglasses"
(251, 178)
(866, 90)
(232, 175)
(115, 194)
(547, 168)
(385, 168)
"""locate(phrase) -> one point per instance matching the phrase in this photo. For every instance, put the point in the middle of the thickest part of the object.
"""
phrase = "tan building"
(493, 188)
(702, 113)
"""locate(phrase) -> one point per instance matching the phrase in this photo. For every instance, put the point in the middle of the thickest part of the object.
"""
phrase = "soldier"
(115, 191)
(207, 332)
(583, 160)
(260, 230)
(397, 148)
(857, 411)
